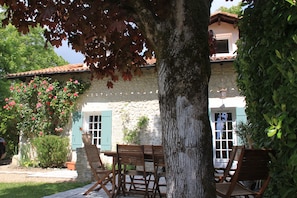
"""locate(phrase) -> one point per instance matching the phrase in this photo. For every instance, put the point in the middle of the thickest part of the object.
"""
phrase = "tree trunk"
(184, 71)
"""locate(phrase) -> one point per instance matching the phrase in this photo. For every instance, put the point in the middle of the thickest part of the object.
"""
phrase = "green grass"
(35, 190)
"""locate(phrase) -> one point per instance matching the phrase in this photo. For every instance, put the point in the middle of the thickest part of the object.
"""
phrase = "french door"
(224, 136)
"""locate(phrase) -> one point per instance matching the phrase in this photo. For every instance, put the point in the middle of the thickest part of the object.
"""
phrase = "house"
(107, 112)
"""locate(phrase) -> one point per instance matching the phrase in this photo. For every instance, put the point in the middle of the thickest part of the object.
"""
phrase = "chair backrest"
(148, 149)
(253, 165)
(131, 155)
(158, 155)
(234, 157)
(93, 155)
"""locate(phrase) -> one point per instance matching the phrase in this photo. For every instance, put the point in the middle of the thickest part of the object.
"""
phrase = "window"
(224, 43)
(222, 46)
(95, 128)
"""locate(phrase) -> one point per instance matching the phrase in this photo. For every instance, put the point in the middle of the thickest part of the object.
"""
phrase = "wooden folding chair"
(100, 173)
(225, 173)
(159, 169)
(132, 163)
(253, 165)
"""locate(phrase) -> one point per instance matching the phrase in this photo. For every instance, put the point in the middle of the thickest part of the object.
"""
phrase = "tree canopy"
(21, 52)
(233, 10)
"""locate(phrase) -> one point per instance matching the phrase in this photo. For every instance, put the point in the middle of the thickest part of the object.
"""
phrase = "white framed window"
(224, 135)
(93, 125)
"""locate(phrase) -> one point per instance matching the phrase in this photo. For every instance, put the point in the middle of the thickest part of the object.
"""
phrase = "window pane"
(96, 119)
(218, 145)
(230, 126)
(218, 155)
(229, 116)
(218, 134)
(230, 135)
(224, 135)
(91, 119)
(224, 153)
(224, 145)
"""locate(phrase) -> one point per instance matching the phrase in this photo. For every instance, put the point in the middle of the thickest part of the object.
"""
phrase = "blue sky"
(72, 57)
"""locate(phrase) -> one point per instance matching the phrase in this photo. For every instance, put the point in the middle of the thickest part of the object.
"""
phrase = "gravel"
(13, 174)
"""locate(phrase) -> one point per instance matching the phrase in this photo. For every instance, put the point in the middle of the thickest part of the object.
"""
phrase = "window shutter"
(240, 117)
(106, 130)
(77, 122)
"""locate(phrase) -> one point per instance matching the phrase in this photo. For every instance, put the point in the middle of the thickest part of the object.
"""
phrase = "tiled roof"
(80, 67)
(70, 68)
(65, 69)
(225, 17)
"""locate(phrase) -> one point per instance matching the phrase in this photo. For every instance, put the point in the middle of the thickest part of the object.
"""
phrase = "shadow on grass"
(35, 190)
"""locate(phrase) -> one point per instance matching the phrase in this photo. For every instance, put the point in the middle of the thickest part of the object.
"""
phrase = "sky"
(72, 57)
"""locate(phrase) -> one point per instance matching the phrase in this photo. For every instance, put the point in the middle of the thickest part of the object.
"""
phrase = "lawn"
(35, 190)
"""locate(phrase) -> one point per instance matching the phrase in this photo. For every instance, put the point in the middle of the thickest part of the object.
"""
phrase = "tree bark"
(184, 71)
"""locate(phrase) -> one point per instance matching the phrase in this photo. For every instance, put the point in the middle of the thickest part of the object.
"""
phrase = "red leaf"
(118, 26)
(109, 84)
(127, 75)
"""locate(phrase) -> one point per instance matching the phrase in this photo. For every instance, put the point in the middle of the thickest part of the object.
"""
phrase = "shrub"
(51, 150)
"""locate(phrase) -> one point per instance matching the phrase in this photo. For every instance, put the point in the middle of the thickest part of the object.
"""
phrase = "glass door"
(224, 136)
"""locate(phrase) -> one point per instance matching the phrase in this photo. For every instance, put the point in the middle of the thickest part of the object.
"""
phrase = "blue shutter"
(77, 121)
(106, 130)
(240, 117)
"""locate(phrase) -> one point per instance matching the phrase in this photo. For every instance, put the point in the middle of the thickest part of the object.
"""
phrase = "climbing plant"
(132, 136)
(43, 106)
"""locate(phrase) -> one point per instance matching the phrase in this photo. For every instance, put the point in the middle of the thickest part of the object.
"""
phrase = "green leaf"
(291, 2)
(292, 136)
(278, 54)
(293, 160)
(279, 134)
(271, 132)
(267, 119)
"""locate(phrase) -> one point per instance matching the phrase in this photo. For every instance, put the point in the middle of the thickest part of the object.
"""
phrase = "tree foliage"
(266, 65)
(233, 10)
(21, 52)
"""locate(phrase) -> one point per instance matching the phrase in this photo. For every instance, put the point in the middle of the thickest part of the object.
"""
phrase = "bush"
(51, 150)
